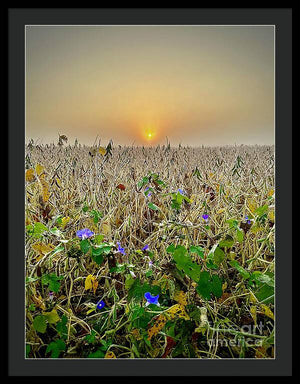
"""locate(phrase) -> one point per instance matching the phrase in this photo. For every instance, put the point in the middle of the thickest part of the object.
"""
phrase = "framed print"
(150, 174)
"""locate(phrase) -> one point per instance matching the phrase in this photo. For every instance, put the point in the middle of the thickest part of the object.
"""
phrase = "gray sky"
(196, 85)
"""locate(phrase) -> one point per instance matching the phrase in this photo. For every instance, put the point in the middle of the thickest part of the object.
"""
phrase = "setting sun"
(149, 132)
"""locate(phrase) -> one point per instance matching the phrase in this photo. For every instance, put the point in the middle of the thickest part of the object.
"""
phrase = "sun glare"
(149, 132)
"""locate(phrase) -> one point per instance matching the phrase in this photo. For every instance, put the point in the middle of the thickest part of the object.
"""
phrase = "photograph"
(149, 177)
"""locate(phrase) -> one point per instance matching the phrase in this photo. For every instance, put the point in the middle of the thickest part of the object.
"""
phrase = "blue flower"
(248, 220)
(120, 249)
(149, 193)
(181, 191)
(151, 299)
(100, 304)
(145, 247)
(84, 233)
(205, 217)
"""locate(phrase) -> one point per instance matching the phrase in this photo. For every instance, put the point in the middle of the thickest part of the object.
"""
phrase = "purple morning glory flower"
(151, 299)
(145, 247)
(180, 191)
(248, 220)
(120, 249)
(205, 217)
(150, 264)
(149, 193)
(100, 304)
(84, 233)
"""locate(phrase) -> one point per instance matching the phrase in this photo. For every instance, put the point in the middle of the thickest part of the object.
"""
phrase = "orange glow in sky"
(150, 135)
(211, 85)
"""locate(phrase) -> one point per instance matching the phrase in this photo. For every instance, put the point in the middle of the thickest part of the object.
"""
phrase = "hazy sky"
(194, 84)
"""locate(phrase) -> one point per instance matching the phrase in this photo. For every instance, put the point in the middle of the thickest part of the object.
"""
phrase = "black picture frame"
(281, 18)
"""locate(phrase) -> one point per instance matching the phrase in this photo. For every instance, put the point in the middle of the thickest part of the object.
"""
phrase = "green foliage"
(56, 347)
(210, 264)
(239, 235)
(85, 208)
(181, 256)
(261, 210)
(262, 278)
(149, 273)
(59, 220)
(91, 338)
(195, 313)
(57, 249)
(265, 294)
(245, 274)
(177, 200)
(56, 232)
(52, 317)
(40, 324)
(52, 280)
(262, 214)
(129, 281)
(149, 190)
(96, 215)
(143, 182)
(98, 239)
(85, 246)
(261, 283)
(263, 286)
(171, 248)
(139, 317)
(232, 223)
(227, 242)
(120, 268)
(100, 352)
(148, 179)
(153, 206)
(37, 230)
(96, 355)
(209, 284)
(198, 250)
(61, 327)
(28, 349)
(184, 262)
(216, 255)
(157, 180)
(216, 286)
(99, 251)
